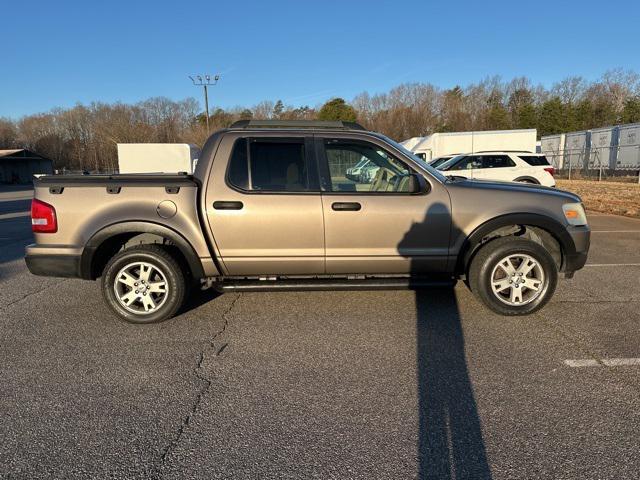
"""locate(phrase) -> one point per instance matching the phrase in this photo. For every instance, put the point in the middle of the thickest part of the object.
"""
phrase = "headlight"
(574, 213)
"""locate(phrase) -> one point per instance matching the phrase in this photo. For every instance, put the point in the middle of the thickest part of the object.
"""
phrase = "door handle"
(346, 206)
(226, 205)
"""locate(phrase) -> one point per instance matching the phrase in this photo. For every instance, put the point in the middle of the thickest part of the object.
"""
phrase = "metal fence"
(602, 163)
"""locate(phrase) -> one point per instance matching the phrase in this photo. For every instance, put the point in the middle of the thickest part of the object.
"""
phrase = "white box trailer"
(157, 157)
(628, 146)
(552, 146)
(603, 147)
(453, 143)
(411, 142)
(576, 149)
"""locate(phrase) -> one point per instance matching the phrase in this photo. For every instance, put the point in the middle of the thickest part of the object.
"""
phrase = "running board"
(330, 284)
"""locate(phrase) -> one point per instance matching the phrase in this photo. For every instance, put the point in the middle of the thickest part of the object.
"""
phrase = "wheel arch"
(109, 240)
(540, 228)
(527, 178)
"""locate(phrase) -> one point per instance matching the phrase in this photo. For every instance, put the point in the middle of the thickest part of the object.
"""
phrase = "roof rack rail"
(297, 124)
(505, 151)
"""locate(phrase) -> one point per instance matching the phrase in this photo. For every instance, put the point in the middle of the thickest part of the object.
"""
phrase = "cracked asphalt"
(367, 385)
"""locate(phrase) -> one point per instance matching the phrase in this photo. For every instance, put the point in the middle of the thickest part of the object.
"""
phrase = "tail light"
(43, 217)
(551, 170)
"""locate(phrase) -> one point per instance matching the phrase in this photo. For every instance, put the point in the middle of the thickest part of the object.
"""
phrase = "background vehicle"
(436, 162)
(354, 172)
(157, 157)
(269, 207)
(524, 167)
(453, 143)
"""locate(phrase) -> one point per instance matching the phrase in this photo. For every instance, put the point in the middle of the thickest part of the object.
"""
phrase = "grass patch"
(606, 197)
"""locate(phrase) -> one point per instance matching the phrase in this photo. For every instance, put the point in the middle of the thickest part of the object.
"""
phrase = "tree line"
(84, 137)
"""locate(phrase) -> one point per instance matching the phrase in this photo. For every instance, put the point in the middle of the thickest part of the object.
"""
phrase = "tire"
(144, 284)
(530, 182)
(516, 294)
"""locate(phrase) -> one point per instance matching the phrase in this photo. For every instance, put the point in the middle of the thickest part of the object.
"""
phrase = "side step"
(331, 284)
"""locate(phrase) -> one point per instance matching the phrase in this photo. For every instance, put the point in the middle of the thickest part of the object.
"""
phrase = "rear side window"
(535, 160)
(270, 165)
(497, 161)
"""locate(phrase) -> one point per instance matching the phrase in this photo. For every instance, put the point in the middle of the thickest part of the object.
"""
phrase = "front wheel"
(513, 276)
(144, 284)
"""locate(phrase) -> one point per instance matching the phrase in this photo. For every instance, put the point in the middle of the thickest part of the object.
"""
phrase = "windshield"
(435, 163)
(416, 159)
(449, 163)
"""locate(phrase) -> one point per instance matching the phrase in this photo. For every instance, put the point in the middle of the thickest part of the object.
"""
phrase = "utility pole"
(205, 81)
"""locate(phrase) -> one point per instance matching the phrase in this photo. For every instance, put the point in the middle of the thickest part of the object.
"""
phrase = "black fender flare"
(98, 238)
(527, 178)
(555, 228)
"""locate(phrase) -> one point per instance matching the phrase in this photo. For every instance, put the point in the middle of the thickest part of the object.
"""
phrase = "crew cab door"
(263, 205)
(379, 227)
(495, 167)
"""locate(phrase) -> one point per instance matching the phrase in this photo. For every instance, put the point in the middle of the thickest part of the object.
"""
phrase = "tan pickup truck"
(270, 207)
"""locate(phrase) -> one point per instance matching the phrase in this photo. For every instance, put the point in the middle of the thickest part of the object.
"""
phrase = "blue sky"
(58, 53)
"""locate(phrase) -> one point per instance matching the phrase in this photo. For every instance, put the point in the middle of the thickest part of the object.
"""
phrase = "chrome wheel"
(517, 279)
(141, 287)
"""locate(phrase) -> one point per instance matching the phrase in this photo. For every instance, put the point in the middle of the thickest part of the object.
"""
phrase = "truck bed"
(87, 205)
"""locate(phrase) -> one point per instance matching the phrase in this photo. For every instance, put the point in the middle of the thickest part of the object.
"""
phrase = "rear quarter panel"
(83, 210)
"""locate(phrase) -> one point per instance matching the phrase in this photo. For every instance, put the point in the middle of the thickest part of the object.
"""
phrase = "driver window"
(364, 167)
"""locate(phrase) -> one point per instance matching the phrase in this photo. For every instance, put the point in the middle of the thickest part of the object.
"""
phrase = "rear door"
(377, 225)
(495, 167)
(264, 207)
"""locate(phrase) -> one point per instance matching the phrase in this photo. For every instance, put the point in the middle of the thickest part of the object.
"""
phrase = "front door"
(265, 210)
(374, 224)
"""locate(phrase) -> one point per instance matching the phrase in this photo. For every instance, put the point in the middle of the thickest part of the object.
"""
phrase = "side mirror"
(418, 184)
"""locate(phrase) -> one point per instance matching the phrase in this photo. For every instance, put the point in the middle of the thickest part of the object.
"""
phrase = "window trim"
(309, 158)
(325, 173)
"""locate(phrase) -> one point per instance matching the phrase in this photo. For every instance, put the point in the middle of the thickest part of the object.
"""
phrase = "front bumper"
(576, 259)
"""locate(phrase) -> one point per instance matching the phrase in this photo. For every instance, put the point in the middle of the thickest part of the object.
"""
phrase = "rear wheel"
(513, 276)
(144, 284)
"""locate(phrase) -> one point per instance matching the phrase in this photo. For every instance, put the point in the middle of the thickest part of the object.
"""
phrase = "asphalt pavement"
(369, 385)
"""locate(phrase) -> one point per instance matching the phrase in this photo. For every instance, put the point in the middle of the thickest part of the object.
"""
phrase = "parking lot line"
(605, 362)
(612, 265)
(615, 231)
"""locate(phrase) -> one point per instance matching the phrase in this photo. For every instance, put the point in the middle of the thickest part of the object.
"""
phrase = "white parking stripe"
(612, 265)
(582, 363)
(615, 231)
(606, 362)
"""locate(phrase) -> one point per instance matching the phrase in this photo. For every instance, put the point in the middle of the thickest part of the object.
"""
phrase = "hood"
(515, 187)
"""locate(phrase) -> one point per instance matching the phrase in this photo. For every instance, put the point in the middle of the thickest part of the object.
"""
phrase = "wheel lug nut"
(137, 291)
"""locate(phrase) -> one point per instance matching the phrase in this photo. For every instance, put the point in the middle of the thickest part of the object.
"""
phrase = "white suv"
(523, 167)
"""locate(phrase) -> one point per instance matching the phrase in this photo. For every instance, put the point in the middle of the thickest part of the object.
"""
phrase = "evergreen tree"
(631, 110)
(337, 109)
(278, 109)
(551, 119)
